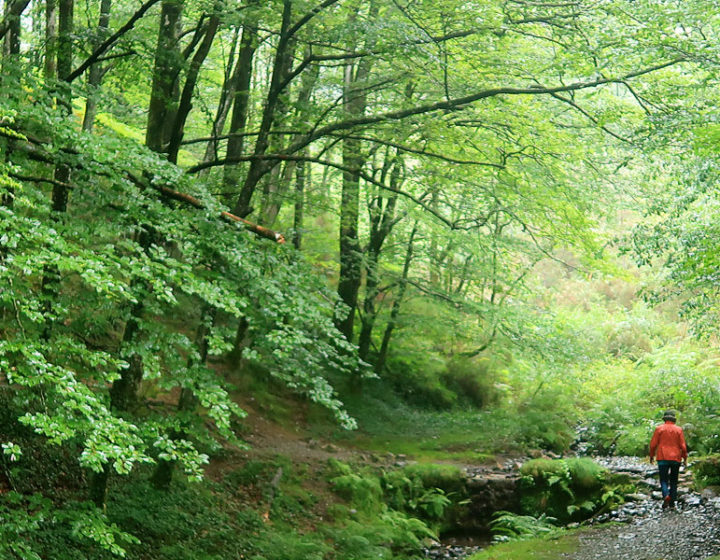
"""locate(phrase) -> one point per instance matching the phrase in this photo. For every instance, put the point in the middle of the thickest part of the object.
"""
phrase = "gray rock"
(637, 497)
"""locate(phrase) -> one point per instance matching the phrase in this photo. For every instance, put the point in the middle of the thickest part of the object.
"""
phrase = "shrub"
(565, 489)
(471, 380)
(706, 471)
(362, 491)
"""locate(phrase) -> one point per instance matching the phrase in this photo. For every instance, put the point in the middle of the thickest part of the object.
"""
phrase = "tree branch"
(110, 41)
(13, 12)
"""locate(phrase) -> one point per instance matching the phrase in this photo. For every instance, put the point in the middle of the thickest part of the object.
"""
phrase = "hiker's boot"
(666, 502)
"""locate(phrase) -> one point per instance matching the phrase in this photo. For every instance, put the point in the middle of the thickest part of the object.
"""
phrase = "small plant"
(508, 526)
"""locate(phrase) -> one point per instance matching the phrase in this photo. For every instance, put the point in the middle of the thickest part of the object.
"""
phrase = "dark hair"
(669, 415)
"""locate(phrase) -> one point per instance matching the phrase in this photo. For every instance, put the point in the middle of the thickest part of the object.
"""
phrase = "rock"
(710, 492)
(657, 495)
(637, 497)
(692, 500)
(715, 502)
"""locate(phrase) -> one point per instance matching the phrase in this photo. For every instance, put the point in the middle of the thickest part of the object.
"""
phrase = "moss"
(446, 477)
(549, 548)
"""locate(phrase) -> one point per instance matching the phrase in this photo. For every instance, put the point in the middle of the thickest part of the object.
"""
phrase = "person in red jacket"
(668, 444)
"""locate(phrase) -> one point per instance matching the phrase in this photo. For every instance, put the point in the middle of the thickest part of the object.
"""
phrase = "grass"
(389, 425)
(548, 548)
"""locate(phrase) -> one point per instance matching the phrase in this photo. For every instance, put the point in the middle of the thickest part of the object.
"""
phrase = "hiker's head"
(669, 415)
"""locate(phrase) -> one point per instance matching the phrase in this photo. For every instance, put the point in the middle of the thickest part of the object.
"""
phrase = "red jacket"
(669, 443)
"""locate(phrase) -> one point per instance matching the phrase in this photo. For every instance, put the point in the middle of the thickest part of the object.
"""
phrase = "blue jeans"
(669, 471)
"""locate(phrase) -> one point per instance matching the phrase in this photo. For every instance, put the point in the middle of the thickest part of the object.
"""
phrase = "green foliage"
(472, 380)
(508, 526)
(706, 471)
(563, 488)
(363, 492)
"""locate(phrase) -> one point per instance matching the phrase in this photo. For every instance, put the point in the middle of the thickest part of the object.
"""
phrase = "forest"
(354, 279)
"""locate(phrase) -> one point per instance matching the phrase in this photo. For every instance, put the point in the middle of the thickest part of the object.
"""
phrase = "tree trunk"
(162, 478)
(277, 187)
(301, 177)
(95, 73)
(50, 284)
(395, 312)
(240, 340)
(225, 102)
(355, 104)
(13, 11)
(50, 69)
(241, 79)
(382, 221)
(168, 59)
(258, 166)
(185, 105)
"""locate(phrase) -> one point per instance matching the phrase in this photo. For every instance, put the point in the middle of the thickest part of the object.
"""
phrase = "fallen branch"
(197, 203)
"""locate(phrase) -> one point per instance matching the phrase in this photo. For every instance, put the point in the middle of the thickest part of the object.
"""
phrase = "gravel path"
(691, 534)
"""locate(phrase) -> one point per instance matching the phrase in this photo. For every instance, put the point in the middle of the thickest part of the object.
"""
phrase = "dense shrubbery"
(428, 493)
(706, 471)
(568, 489)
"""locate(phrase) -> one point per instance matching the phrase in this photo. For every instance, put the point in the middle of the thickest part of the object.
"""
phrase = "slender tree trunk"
(240, 340)
(50, 69)
(226, 96)
(50, 284)
(395, 312)
(190, 83)
(279, 176)
(299, 213)
(258, 166)
(241, 79)
(277, 187)
(162, 478)
(95, 73)
(64, 68)
(13, 11)
(382, 224)
(168, 59)
(355, 104)
(124, 390)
